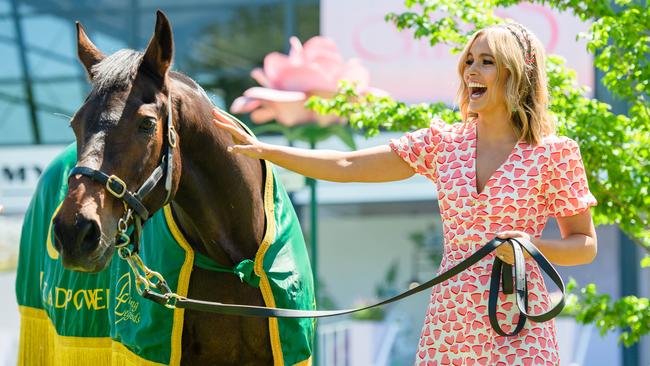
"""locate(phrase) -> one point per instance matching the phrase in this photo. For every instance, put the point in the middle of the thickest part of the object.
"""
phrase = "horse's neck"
(219, 203)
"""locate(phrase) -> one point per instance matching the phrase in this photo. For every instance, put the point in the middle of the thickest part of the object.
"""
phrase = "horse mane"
(119, 70)
(189, 82)
(116, 71)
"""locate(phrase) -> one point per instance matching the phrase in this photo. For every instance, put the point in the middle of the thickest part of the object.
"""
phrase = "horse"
(216, 197)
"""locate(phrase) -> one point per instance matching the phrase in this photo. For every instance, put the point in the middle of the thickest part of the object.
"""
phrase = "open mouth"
(476, 90)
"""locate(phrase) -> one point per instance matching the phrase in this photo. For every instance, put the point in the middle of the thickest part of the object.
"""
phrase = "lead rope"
(499, 271)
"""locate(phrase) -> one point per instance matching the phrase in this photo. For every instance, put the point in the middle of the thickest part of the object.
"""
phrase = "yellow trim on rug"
(306, 362)
(40, 341)
(269, 237)
(51, 252)
(183, 286)
(265, 286)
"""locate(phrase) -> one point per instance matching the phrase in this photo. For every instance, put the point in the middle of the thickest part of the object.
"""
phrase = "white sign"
(20, 169)
(413, 71)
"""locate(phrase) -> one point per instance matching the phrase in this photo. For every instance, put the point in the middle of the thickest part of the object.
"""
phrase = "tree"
(615, 148)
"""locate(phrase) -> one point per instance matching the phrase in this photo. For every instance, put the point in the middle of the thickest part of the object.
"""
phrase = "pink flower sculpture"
(314, 68)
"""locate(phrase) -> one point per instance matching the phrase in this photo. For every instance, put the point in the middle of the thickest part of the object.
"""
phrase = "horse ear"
(160, 51)
(88, 53)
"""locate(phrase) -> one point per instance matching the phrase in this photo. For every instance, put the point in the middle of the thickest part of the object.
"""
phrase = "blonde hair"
(517, 50)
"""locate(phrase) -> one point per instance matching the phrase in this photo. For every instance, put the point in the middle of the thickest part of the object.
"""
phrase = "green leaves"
(645, 262)
(454, 28)
(372, 113)
(630, 314)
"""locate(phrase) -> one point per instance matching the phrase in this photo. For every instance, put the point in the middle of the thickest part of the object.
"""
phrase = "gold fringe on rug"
(41, 345)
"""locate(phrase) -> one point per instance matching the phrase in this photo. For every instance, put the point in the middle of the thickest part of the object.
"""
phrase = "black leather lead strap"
(547, 268)
(246, 310)
(291, 313)
(521, 287)
(493, 299)
(506, 279)
(520, 282)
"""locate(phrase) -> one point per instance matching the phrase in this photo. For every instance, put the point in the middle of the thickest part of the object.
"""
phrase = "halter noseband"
(133, 201)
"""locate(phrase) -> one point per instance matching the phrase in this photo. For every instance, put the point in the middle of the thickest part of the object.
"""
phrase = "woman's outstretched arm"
(376, 164)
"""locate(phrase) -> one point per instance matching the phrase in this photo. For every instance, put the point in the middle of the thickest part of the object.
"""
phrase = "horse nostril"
(89, 235)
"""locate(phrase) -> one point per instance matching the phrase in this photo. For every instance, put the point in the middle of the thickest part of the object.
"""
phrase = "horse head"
(121, 132)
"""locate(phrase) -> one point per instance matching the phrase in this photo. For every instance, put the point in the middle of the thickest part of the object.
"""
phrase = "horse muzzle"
(80, 243)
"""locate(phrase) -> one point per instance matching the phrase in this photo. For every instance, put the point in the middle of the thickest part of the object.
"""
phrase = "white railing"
(356, 343)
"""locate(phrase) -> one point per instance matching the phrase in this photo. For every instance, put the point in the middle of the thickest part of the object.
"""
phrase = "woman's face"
(486, 93)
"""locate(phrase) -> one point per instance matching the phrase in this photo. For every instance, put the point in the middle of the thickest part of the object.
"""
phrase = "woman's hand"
(505, 252)
(245, 143)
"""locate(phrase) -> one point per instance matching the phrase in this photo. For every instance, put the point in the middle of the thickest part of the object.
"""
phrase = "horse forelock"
(116, 71)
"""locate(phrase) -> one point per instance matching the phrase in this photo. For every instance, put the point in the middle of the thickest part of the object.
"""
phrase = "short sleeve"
(420, 148)
(567, 191)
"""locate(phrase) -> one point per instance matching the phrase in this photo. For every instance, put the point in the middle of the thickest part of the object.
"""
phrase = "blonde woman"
(500, 172)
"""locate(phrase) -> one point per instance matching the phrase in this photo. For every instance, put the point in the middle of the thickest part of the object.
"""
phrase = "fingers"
(226, 122)
(234, 131)
(248, 150)
(221, 116)
(508, 234)
(505, 254)
(224, 119)
(244, 143)
(239, 149)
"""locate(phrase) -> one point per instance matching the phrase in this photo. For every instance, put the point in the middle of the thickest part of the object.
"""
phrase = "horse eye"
(148, 124)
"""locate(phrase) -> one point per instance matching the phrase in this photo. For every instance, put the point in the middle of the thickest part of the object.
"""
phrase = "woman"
(502, 172)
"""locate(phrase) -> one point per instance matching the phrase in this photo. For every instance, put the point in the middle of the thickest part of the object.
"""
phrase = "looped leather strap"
(521, 286)
(499, 270)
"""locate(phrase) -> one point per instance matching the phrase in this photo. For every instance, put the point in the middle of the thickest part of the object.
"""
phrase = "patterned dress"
(533, 183)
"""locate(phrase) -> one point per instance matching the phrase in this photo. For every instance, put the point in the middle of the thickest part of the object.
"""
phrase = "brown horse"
(216, 197)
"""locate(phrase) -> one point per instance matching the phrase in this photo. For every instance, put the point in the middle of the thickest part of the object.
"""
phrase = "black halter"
(135, 209)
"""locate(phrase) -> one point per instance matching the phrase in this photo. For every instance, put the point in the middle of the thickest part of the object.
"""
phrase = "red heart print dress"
(533, 183)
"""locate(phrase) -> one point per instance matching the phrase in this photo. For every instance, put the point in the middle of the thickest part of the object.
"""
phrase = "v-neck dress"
(533, 183)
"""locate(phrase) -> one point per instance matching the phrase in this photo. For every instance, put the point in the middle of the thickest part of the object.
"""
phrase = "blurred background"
(373, 240)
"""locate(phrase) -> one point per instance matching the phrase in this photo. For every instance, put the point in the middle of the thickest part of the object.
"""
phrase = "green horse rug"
(72, 318)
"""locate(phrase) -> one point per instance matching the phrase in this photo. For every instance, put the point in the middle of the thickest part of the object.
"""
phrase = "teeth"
(476, 85)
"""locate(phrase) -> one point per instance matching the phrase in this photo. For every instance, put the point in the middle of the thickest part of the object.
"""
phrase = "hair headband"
(523, 39)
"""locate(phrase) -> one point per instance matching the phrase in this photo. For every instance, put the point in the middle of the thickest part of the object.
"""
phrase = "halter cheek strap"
(171, 141)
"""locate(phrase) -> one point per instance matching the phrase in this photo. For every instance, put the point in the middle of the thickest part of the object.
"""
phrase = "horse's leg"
(213, 339)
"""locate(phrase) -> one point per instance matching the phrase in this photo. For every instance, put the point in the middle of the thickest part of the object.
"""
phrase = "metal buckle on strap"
(172, 299)
(172, 136)
(114, 179)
